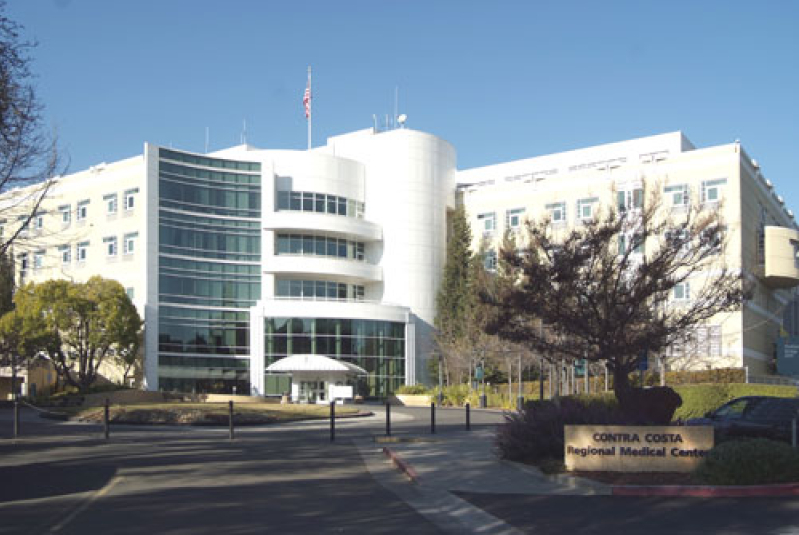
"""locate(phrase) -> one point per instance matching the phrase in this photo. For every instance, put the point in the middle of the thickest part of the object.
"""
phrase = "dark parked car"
(753, 416)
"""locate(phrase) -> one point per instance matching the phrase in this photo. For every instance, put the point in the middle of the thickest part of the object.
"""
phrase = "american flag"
(306, 100)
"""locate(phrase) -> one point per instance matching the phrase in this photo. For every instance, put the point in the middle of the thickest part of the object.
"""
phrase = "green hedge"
(749, 461)
(699, 399)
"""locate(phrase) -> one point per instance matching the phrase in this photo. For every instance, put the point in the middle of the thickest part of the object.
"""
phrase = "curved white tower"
(410, 184)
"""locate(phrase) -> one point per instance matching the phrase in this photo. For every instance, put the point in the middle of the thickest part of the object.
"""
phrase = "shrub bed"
(536, 433)
(749, 461)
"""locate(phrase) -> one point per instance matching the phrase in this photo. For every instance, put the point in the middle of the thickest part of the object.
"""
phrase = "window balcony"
(324, 223)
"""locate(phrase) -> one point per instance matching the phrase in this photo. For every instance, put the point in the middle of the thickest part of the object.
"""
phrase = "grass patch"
(181, 413)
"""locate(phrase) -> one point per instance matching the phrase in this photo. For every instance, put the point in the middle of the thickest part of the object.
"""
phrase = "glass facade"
(209, 271)
(318, 290)
(376, 346)
(322, 203)
(306, 244)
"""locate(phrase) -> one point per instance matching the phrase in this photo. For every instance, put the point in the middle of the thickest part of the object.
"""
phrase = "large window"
(490, 260)
(632, 199)
(376, 346)
(82, 251)
(513, 218)
(557, 212)
(110, 244)
(323, 203)
(202, 283)
(585, 208)
(318, 290)
(682, 292)
(65, 252)
(677, 195)
(487, 222)
(110, 203)
(300, 244)
(209, 237)
(711, 190)
(83, 210)
(66, 214)
(129, 243)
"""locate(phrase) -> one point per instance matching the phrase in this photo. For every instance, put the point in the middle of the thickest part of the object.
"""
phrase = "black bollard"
(520, 403)
(106, 423)
(16, 418)
(468, 417)
(388, 419)
(332, 421)
(432, 418)
(230, 418)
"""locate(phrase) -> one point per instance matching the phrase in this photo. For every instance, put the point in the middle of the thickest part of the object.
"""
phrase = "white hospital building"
(244, 256)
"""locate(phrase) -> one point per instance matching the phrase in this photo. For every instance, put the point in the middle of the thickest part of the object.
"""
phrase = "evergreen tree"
(455, 298)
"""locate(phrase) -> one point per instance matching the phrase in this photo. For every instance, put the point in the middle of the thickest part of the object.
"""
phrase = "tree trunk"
(621, 384)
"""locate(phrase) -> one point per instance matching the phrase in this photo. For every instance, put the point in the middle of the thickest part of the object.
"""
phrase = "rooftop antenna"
(374, 121)
(244, 132)
(396, 103)
(207, 139)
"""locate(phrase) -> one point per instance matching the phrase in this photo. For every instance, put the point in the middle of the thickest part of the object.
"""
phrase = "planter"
(410, 400)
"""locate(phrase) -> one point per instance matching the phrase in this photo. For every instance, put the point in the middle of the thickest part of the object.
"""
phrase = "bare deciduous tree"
(605, 288)
(28, 152)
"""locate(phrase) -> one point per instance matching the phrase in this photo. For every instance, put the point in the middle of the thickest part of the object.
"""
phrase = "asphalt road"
(64, 478)
(557, 515)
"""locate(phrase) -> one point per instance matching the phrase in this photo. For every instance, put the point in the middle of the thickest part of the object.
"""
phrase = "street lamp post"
(483, 396)
(440, 380)
(520, 398)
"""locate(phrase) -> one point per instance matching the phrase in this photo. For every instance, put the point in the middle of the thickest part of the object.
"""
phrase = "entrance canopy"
(314, 363)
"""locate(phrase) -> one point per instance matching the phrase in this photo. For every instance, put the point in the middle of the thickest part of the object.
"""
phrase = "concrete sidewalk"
(443, 464)
(467, 461)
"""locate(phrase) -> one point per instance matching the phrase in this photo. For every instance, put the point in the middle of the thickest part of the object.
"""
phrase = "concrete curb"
(708, 491)
(400, 463)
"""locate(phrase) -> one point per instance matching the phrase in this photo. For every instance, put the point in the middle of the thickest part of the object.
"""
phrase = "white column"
(257, 357)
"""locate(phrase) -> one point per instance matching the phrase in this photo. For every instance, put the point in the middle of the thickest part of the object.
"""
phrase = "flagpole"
(310, 107)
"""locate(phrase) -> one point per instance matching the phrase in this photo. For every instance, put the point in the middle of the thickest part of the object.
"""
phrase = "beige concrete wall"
(748, 335)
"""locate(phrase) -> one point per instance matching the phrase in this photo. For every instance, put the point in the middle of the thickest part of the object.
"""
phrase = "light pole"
(520, 398)
(440, 379)
(483, 396)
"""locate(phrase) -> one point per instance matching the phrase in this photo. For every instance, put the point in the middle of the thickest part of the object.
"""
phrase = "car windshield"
(735, 410)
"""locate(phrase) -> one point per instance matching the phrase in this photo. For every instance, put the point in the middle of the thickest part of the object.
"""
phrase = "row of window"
(677, 196)
(110, 201)
(318, 290)
(110, 246)
(308, 201)
(335, 327)
(300, 244)
(203, 331)
(205, 161)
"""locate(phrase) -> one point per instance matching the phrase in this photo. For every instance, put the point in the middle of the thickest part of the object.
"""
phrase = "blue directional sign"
(478, 373)
(788, 355)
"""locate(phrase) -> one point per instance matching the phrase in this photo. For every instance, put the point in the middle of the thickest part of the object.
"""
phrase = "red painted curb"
(708, 491)
(400, 463)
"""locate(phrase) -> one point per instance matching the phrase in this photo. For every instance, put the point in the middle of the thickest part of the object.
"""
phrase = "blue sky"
(500, 80)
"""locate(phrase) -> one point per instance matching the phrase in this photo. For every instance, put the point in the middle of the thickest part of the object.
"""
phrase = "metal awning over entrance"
(314, 363)
(317, 378)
